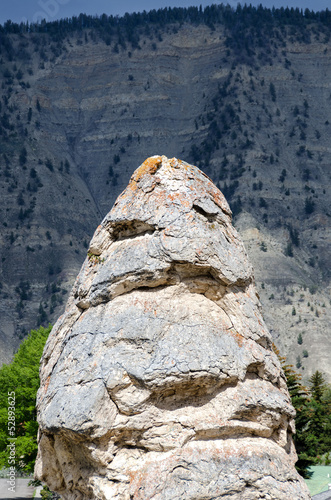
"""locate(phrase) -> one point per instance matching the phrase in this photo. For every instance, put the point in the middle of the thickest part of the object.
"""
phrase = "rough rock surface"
(159, 381)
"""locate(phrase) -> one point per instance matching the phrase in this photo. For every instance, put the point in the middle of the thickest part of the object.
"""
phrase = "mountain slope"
(248, 102)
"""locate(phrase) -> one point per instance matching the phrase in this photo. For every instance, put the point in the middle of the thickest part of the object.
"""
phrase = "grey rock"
(159, 381)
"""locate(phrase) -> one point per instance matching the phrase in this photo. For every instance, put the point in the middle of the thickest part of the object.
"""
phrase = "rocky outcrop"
(159, 381)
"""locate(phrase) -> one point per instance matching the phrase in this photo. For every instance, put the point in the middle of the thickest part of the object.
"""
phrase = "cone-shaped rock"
(159, 381)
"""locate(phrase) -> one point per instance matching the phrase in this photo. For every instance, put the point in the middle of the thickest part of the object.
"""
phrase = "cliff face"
(85, 112)
(159, 380)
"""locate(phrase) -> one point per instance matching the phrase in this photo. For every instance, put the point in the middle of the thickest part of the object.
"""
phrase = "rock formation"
(159, 381)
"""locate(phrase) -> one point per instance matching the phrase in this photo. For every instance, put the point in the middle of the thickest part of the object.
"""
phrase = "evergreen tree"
(313, 416)
(300, 401)
(317, 386)
(326, 400)
(320, 416)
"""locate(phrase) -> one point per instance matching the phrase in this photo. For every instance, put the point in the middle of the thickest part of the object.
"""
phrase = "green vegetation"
(263, 246)
(47, 494)
(272, 91)
(94, 259)
(289, 249)
(298, 363)
(309, 206)
(20, 379)
(313, 417)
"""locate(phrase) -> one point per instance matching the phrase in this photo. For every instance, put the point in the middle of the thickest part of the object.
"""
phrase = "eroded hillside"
(248, 104)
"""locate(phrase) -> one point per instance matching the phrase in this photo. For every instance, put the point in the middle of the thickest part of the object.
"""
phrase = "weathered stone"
(159, 381)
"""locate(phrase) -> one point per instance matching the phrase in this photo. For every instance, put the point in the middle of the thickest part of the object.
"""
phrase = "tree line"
(210, 15)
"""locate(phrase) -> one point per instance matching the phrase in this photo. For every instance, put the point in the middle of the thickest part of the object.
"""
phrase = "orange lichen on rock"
(240, 339)
(149, 167)
(47, 383)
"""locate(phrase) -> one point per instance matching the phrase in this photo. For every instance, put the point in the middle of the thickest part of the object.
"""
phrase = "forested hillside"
(244, 94)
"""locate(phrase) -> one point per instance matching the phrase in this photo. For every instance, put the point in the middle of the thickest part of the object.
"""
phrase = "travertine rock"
(159, 381)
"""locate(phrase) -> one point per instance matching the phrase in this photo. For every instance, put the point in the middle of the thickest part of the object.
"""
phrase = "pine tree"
(300, 401)
(317, 386)
(313, 416)
(319, 416)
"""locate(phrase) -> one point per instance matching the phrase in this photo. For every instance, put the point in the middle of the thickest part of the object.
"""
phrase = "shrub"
(272, 91)
(309, 206)
(49, 164)
(283, 175)
(289, 250)
(298, 363)
(263, 247)
(23, 156)
(263, 203)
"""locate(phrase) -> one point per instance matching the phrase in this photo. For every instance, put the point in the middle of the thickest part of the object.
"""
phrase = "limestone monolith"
(159, 381)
